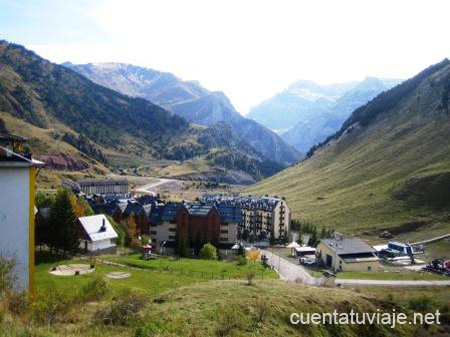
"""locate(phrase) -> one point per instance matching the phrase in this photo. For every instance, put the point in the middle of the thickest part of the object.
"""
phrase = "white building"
(17, 208)
(98, 235)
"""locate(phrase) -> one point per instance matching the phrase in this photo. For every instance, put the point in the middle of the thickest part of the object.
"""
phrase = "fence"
(186, 272)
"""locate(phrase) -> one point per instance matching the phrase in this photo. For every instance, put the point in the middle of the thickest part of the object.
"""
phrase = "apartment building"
(197, 223)
(102, 187)
(262, 217)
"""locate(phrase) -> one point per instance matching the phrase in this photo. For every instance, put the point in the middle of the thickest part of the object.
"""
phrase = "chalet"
(17, 208)
(347, 254)
(98, 235)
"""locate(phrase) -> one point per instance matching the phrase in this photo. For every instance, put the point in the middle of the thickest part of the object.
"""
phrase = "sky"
(249, 49)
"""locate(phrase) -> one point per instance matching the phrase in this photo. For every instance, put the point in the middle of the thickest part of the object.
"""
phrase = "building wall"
(361, 266)
(166, 231)
(230, 237)
(16, 236)
(339, 265)
(276, 221)
(324, 250)
(97, 245)
(102, 246)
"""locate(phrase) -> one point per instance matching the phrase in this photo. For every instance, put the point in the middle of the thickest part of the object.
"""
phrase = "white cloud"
(251, 49)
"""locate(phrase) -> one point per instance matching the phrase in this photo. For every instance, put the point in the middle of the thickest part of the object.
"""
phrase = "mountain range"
(64, 113)
(306, 113)
(386, 168)
(189, 100)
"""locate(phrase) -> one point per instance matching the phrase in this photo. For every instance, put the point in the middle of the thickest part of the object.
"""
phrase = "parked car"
(306, 261)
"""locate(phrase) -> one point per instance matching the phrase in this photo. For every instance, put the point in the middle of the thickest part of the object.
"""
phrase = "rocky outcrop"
(62, 161)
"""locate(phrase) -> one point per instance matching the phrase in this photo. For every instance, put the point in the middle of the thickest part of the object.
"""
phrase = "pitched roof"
(156, 214)
(108, 208)
(348, 246)
(264, 203)
(97, 227)
(9, 158)
(132, 208)
(199, 209)
(171, 210)
(230, 213)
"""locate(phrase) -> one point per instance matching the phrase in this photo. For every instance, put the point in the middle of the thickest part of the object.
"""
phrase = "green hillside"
(387, 168)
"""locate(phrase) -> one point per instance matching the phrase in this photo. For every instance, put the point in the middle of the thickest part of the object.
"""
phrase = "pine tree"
(181, 249)
(63, 223)
(312, 242)
(323, 233)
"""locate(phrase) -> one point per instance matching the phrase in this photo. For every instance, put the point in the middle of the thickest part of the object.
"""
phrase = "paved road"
(292, 272)
(393, 283)
(289, 271)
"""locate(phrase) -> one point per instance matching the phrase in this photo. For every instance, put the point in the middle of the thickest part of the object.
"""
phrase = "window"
(172, 229)
(369, 268)
(171, 237)
(152, 232)
(223, 239)
(224, 231)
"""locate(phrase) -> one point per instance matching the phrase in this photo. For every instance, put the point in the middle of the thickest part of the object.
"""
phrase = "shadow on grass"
(48, 257)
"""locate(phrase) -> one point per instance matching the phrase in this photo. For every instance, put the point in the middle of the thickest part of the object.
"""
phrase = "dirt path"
(149, 188)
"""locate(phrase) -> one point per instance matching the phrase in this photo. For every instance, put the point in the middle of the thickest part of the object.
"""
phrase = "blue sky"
(249, 49)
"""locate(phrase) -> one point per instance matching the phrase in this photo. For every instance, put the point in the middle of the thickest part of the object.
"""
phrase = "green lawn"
(196, 267)
(146, 281)
(150, 278)
(380, 275)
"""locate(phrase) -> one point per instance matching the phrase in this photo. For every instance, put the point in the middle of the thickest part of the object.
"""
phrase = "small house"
(98, 235)
(347, 254)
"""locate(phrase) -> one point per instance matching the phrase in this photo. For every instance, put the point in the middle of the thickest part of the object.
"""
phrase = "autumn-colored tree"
(80, 206)
(131, 233)
(254, 255)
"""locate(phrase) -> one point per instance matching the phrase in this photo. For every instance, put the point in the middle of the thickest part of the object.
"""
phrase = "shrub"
(208, 252)
(241, 261)
(124, 310)
(230, 319)
(7, 278)
(53, 307)
(250, 276)
(17, 303)
(422, 303)
(261, 311)
(96, 289)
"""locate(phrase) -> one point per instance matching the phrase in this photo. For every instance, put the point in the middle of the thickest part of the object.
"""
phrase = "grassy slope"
(349, 184)
(233, 308)
(178, 307)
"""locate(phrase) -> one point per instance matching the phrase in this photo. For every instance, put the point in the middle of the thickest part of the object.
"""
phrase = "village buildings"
(17, 207)
(222, 221)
